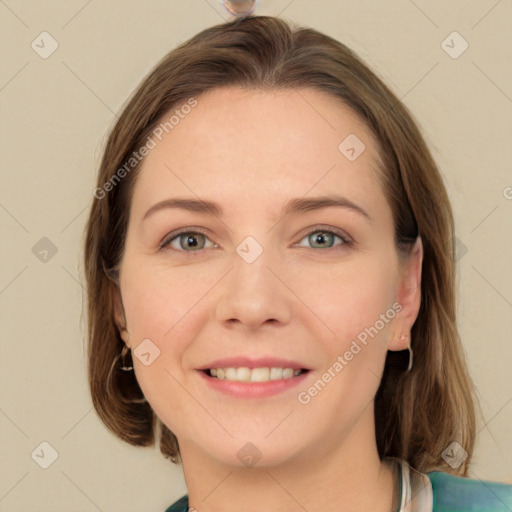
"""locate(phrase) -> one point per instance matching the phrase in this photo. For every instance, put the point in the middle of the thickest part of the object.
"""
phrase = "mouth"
(243, 377)
(245, 374)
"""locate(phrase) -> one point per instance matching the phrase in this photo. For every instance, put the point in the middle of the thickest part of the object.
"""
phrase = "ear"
(409, 298)
(119, 316)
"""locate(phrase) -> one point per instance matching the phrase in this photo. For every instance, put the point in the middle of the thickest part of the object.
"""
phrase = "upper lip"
(247, 362)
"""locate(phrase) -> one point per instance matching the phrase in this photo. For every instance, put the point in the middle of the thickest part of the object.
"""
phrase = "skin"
(250, 152)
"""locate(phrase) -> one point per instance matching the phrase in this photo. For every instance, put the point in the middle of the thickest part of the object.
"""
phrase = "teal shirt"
(451, 494)
(459, 494)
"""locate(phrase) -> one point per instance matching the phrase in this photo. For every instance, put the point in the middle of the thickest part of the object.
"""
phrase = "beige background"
(55, 113)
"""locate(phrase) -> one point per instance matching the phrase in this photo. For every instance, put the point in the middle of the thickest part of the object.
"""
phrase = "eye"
(325, 239)
(195, 241)
(186, 241)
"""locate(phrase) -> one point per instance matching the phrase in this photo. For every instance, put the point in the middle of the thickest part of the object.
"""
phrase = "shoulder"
(460, 494)
(180, 506)
(450, 494)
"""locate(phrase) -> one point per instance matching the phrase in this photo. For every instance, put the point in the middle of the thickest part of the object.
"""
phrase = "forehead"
(246, 145)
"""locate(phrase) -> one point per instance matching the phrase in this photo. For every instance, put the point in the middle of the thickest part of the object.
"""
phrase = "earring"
(410, 358)
(123, 366)
(409, 348)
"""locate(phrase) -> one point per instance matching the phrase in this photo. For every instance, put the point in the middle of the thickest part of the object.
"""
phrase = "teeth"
(260, 375)
(230, 374)
(276, 373)
(245, 374)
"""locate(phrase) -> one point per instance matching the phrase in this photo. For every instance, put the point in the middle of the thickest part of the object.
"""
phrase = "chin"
(252, 451)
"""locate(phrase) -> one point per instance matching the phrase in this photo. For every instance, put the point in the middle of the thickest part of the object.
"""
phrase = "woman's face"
(265, 274)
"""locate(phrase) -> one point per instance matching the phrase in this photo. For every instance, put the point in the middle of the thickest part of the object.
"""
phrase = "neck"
(335, 474)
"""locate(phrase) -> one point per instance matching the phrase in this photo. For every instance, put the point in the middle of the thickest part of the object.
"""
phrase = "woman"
(269, 237)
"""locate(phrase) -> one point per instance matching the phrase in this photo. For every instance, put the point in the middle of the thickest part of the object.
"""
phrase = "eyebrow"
(293, 206)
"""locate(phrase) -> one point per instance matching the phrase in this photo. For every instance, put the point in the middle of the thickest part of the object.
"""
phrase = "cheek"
(356, 303)
(165, 307)
(348, 297)
(157, 299)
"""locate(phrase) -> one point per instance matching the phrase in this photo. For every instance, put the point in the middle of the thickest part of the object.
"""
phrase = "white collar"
(415, 488)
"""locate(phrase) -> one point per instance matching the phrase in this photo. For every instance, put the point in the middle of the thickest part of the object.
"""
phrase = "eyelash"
(164, 246)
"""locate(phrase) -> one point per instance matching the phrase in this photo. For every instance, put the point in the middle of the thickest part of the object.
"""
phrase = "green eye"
(192, 241)
(321, 239)
(186, 241)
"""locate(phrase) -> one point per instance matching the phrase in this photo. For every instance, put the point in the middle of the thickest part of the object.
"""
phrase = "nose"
(253, 296)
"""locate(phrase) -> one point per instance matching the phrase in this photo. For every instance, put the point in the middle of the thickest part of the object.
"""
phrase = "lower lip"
(252, 389)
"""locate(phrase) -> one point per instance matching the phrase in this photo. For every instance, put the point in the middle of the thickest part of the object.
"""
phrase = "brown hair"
(418, 414)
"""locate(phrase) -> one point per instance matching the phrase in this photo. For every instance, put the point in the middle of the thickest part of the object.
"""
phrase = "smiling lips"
(244, 374)
(247, 370)
(254, 380)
